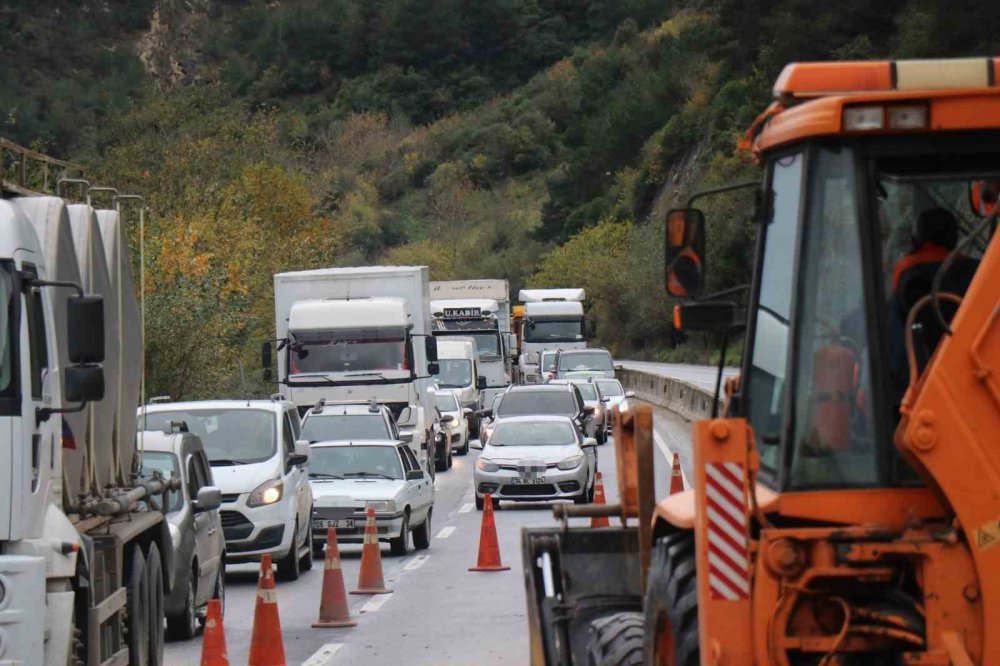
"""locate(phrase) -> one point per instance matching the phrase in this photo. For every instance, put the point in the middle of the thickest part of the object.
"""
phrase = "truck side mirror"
(711, 316)
(265, 359)
(85, 328)
(480, 383)
(431, 349)
(84, 383)
(684, 252)
(433, 368)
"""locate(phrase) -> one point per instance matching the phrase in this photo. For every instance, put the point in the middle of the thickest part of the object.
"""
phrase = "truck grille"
(235, 525)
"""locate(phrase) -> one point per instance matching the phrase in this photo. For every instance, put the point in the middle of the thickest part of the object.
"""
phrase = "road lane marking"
(668, 454)
(323, 655)
(416, 562)
(466, 508)
(375, 603)
(445, 532)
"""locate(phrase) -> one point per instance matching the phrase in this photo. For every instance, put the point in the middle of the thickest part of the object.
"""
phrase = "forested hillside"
(536, 140)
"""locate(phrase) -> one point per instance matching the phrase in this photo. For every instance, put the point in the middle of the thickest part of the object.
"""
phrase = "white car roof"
(356, 442)
(191, 405)
(343, 408)
(529, 418)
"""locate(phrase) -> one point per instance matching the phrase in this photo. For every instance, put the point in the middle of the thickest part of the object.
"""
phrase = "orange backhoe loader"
(846, 510)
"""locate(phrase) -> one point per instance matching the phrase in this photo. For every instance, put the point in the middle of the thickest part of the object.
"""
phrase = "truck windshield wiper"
(324, 475)
(367, 374)
(225, 462)
(367, 474)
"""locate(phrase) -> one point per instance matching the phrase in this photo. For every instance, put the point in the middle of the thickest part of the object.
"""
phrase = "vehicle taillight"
(875, 117)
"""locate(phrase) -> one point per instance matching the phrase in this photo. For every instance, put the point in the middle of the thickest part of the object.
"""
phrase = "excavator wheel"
(616, 640)
(671, 636)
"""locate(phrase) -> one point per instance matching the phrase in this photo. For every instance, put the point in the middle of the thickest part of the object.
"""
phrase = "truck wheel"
(137, 609)
(401, 544)
(184, 625)
(157, 607)
(306, 561)
(422, 534)
(288, 566)
(616, 640)
(672, 603)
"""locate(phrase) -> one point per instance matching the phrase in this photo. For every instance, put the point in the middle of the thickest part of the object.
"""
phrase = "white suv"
(260, 469)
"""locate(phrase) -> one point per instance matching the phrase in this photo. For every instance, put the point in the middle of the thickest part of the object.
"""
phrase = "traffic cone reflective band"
(676, 479)
(489, 549)
(370, 579)
(333, 611)
(213, 643)
(266, 648)
(599, 521)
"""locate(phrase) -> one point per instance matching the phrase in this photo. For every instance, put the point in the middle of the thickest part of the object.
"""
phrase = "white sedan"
(458, 428)
(349, 476)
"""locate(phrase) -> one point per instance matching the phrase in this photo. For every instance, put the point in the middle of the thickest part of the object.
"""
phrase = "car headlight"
(175, 535)
(266, 493)
(382, 506)
(487, 465)
(571, 463)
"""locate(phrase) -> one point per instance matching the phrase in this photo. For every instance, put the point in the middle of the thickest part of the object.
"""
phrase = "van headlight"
(382, 506)
(487, 465)
(266, 493)
(570, 463)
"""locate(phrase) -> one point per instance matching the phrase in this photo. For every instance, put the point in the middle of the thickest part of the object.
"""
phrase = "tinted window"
(519, 403)
(347, 351)
(446, 402)
(610, 388)
(585, 361)
(356, 461)
(236, 435)
(554, 330)
(540, 433)
(345, 427)
(166, 464)
(195, 478)
(8, 334)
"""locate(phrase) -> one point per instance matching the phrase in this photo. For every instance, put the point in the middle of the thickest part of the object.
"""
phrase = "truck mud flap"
(573, 576)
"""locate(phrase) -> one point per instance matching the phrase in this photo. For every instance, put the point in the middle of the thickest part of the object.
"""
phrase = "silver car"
(594, 362)
(614, 395)
(592, 398)
(199, 548)
(536, 458)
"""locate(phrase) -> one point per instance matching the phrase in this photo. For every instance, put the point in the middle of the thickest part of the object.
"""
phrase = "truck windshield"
(355, 461)
(554, 330)
(345, 426)
(539, 433)
(230, 436)
(166, 464)
(355, 350)
(7, 302)
(585, 361)
(454, 373)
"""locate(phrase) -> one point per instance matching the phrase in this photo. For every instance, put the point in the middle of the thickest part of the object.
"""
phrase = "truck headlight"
(487, 465)
(570, 463)
(382, 506)
(266, 493)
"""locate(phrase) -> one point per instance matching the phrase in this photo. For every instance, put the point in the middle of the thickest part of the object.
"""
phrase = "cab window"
(35, 315)
(195, 478)
(407, 465)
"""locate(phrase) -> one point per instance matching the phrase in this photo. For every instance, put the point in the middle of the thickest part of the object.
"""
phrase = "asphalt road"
(439, 612)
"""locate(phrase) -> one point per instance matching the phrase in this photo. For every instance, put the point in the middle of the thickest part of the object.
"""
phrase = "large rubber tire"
(616, 640)
(306, 561)
(289, 566)
(184, 625)
(137, 607)
(401, 545)
(464, 451)
(441, 458)
(671, 603)
(157, 604)
(422, 533)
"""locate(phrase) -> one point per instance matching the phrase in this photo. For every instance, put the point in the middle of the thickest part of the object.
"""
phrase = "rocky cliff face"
(170, 51)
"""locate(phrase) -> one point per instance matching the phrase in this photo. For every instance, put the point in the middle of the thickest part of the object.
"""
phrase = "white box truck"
(479, 309)
(359, 334)
(552, 319)
(84, 561)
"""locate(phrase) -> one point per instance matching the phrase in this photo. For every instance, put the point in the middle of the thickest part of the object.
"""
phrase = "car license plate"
(323, 523)
(524, 481)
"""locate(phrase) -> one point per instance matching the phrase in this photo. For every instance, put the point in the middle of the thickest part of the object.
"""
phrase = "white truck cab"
(553, 320)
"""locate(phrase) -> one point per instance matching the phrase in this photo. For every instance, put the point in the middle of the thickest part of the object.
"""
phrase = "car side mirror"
(85, 329)
(404, 415)
(83, 383)
(415, 475)
(209, 498)
(265, 359)
(480, 383)
(589, 442)
(629, 395)
(302, 453)
(684, 253)
(466, 411)
(433, 368)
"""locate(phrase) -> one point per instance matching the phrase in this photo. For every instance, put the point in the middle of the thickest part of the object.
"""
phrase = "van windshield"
(230, 436)
(354, 350)
(454, 373)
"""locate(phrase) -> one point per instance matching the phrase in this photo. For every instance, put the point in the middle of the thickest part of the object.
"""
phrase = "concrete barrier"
(690, 402)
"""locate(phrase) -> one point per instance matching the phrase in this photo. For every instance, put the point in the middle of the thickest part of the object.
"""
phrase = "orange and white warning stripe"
(728, 552)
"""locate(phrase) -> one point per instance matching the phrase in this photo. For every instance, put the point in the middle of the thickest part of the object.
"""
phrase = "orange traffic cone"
(599, 521)
(489, 548)
(266, 648)
(333, 611)
(370, 579)
(676, 479)
(213, 642)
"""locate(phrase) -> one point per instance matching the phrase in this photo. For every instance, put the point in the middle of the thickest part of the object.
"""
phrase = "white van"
(459, 370)
(260, 467)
